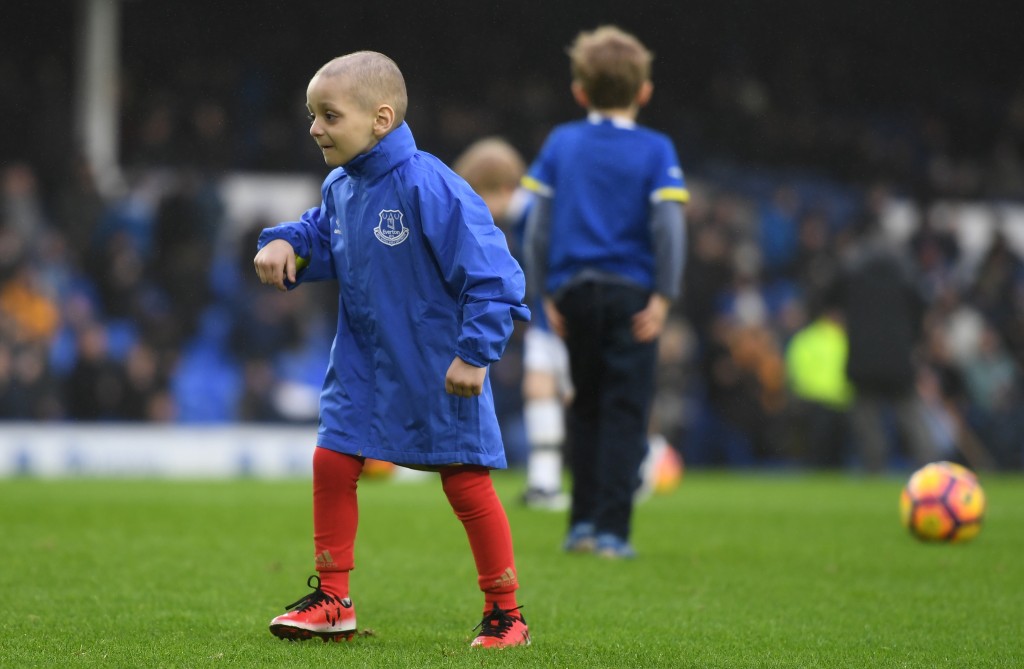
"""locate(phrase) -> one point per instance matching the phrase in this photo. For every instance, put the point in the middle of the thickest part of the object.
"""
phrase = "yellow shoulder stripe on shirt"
(671, 194)
(531, 184)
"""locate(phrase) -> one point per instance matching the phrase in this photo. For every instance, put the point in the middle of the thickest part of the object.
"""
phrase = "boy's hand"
(555, 319)
(274, 263)
(649, 322)
(463, 379)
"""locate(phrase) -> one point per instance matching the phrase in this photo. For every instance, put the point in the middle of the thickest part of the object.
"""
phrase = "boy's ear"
(384, 122)
(643, 96)
(580, 95)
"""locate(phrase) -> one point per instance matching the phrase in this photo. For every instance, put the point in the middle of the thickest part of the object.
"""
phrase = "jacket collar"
(394, 149)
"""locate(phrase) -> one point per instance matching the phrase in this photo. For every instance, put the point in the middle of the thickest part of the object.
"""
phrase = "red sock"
(335, 517)
(470, 491)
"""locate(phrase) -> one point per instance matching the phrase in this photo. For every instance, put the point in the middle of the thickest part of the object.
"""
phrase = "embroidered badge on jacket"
(391, 228)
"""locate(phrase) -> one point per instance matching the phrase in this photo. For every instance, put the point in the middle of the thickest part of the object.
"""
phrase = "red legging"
(470, 492)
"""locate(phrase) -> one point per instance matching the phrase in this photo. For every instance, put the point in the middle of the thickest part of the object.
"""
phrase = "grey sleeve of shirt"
(536, 240)
(668, 233)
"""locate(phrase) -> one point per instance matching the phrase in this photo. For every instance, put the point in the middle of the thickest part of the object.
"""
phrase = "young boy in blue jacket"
(428, 292)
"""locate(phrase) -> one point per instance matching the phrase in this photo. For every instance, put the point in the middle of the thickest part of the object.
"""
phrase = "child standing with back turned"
(605, 248)
(495, 169)
(428, 292)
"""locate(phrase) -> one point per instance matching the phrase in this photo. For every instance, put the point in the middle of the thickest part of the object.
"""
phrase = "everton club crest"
(391, 229)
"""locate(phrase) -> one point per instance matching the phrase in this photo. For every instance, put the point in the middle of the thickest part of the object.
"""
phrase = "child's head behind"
(493, 168)
(611, 67)
(353, 102)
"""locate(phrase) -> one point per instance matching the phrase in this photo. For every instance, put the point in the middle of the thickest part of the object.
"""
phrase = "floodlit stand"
(98, 82)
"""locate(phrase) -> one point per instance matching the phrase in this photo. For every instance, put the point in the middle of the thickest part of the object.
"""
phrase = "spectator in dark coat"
(883, 307)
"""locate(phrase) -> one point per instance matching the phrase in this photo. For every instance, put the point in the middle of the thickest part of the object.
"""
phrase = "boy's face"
(340, 126)
(497, 201)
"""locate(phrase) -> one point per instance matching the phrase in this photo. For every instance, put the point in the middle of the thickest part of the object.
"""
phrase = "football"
(378, 469)
(661, 472)
(943, 502)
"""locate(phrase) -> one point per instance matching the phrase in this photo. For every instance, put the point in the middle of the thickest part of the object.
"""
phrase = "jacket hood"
(392, 150)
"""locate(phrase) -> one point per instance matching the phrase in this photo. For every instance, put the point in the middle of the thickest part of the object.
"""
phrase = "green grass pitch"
(735, 570)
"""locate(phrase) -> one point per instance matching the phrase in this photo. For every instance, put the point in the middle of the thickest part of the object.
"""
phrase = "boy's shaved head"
(372, 79)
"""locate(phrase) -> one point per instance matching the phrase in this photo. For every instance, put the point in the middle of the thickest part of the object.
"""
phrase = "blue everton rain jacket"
(424, 275)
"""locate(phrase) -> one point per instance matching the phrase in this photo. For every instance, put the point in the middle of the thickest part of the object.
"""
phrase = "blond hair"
(372, 79)
(490, 164)
(611, 65)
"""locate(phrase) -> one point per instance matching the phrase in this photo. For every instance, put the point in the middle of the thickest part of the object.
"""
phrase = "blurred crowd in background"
(143, 306)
